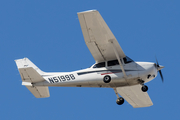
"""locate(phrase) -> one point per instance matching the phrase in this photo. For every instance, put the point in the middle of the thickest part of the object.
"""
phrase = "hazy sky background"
(49, 34)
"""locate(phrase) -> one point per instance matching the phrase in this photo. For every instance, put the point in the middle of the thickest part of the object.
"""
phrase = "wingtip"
(25, 58)
(142, 106)
(94, 10)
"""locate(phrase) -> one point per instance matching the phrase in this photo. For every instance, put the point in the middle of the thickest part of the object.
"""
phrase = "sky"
(49, 34)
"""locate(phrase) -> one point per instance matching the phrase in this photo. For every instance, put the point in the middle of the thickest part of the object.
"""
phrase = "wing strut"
(117, 56)
(115, 90)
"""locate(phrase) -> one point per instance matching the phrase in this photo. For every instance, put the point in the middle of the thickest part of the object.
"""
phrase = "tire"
(144, 88)
(107, 79)
(120, 101)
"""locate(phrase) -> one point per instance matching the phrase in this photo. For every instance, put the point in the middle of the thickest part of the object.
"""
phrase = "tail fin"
(25, 63)
(30, 74)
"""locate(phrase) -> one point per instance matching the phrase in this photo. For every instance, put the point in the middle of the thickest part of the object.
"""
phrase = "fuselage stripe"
(104, 72)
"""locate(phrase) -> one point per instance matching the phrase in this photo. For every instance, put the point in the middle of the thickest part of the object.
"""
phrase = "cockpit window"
(99, 65)
(127, 60)
(113, 62)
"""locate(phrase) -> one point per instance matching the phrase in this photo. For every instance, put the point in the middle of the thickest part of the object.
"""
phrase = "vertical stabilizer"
(25, 63)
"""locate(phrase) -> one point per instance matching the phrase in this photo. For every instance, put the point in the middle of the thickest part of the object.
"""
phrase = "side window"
(113, 62)
(99, 65)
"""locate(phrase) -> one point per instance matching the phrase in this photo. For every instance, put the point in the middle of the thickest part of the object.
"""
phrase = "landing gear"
(120, 101)
(144, 88)
(107, 79)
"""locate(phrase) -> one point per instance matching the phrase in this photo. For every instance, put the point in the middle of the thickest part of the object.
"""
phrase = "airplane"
(112, 68)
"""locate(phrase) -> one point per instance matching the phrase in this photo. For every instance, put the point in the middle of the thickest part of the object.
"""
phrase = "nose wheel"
(144, 88)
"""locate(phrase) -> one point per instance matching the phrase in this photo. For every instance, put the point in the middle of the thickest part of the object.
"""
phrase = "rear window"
(99, 65)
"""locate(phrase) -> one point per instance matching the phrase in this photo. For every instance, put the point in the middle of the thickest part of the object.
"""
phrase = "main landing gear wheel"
(107, 79)
(144, 88)
(120, 101)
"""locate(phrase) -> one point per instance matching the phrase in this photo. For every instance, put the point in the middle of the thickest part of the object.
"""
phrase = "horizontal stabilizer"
(27, 83)
(39, 92)
(29, 74)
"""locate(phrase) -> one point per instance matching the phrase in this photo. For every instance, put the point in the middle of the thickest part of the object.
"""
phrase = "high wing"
(134, 96)
(98, 36)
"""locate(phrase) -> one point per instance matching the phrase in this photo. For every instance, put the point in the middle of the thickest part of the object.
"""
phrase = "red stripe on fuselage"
(109, 73)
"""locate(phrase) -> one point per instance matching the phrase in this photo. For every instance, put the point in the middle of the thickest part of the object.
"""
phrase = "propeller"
(159, 67)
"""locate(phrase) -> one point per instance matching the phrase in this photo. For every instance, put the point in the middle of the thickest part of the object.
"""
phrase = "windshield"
(127, 60)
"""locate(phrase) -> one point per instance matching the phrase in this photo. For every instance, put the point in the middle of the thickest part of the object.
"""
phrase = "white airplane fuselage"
(93, 77)
(113, 69)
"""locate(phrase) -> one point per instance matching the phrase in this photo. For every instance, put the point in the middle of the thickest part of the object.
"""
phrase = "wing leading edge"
(98, 36)
(134, 96)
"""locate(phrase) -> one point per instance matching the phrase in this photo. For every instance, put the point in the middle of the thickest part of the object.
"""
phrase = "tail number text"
(61, 78)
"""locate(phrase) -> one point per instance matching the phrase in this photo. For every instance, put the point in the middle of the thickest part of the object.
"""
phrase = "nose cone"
(160, 67)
